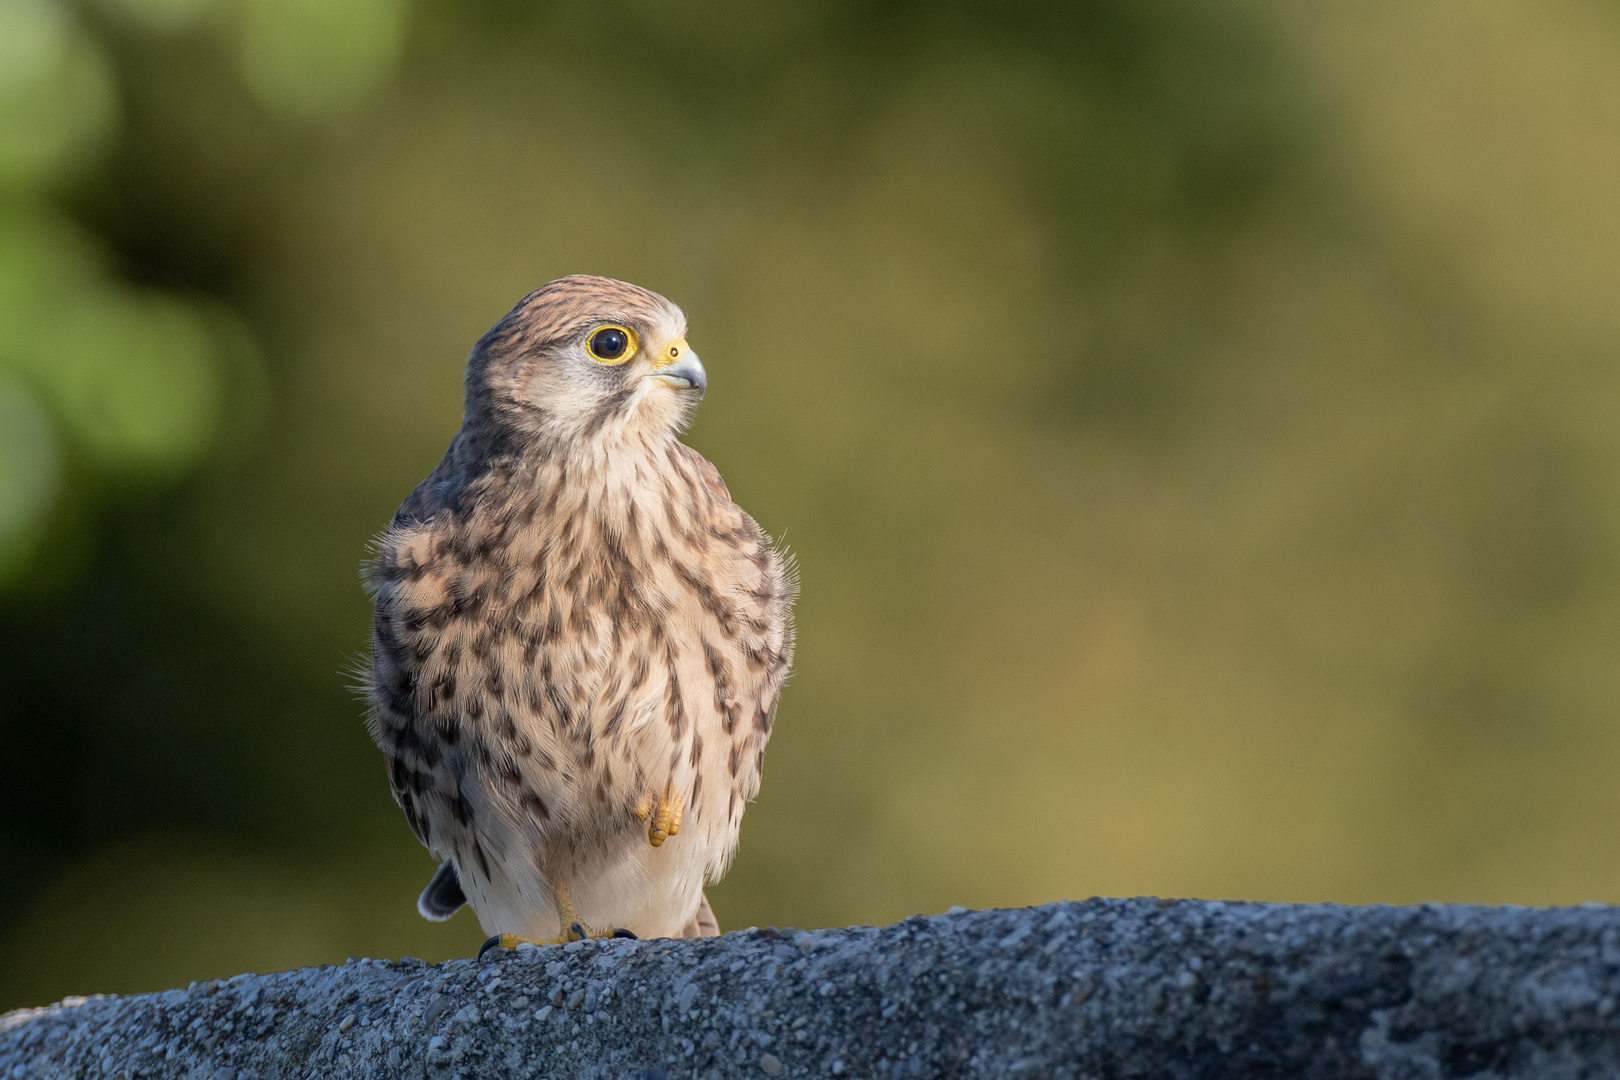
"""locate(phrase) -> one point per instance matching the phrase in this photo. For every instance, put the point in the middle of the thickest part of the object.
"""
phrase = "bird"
(579, 641)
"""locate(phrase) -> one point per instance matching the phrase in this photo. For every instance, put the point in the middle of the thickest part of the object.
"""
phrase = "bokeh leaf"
(56, 94)
(309, 58)
(30, 472)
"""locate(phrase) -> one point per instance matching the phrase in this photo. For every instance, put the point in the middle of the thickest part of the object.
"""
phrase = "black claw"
(629, 935)
(492, 943)
(578, 929)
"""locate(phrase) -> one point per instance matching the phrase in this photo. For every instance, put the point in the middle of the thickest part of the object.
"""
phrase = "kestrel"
(579, 639)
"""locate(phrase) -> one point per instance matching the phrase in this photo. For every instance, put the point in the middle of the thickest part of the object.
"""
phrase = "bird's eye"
(611, 344)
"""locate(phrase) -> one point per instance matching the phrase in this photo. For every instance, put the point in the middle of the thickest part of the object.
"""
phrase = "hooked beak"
(686, 373)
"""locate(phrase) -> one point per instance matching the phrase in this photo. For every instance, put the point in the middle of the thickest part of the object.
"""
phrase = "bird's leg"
(568, 914)
(666, 817)
(573, 928)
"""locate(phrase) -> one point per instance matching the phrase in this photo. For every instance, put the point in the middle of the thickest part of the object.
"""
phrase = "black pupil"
(609, 344)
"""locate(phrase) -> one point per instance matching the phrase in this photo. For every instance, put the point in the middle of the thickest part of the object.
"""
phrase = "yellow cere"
(671, 353)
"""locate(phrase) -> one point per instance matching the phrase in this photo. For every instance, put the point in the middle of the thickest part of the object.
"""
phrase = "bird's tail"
(703, 924)
(443, 896)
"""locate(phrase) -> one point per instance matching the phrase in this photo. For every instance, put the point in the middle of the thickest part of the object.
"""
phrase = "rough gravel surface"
(1100, 988)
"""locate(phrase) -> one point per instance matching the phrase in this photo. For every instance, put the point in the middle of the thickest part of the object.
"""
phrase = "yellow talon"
(512, 941)
(667, 822)
(572, 928)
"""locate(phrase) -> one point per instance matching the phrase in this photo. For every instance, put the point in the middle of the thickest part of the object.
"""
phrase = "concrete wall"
(1103, 988)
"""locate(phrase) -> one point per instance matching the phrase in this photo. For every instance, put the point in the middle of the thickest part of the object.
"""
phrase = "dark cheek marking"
(610, 407)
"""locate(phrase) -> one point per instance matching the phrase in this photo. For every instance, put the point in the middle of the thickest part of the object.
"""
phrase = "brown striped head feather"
(534, 377)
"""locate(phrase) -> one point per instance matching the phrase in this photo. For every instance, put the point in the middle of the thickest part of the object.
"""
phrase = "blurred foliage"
(1194, 423)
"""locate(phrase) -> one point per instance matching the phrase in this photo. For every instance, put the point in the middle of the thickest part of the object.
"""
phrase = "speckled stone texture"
(1103, 988)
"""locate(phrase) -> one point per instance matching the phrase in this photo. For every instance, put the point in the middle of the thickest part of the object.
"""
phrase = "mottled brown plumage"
(579, 638)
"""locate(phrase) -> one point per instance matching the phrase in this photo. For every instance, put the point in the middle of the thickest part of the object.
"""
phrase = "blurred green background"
(1196, 424)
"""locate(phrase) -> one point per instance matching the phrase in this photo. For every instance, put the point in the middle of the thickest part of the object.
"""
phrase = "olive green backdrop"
(1196, 425)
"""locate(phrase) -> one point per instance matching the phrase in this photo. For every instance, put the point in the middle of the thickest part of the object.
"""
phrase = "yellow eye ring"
(612, 344)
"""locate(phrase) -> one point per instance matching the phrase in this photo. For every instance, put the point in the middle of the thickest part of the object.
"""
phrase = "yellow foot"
(666, 817)
(512, 941)
(576, 932)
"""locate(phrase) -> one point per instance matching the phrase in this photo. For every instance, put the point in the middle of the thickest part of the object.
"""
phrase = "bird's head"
(585, 359)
